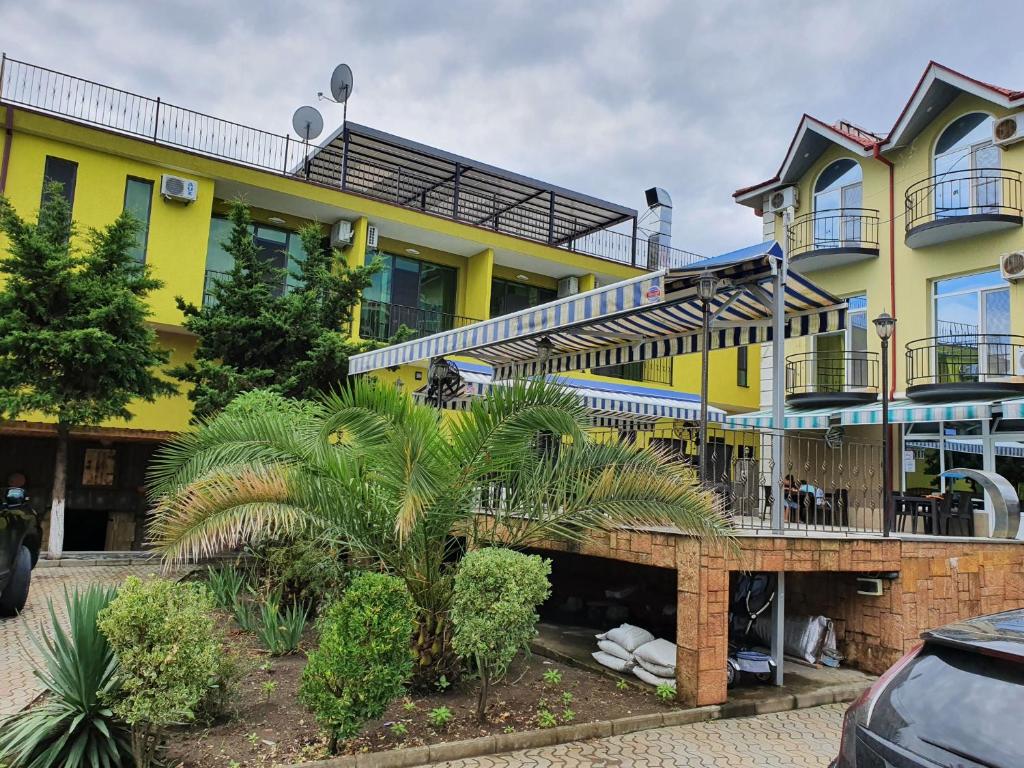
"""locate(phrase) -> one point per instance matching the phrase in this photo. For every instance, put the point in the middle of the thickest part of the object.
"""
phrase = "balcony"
(360, 161)
(823, 379)
(975, 365)
(381, 321)
(960, 204)
(833, 238)
(655, 371)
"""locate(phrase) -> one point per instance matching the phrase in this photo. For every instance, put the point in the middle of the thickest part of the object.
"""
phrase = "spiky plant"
(399, 485)
(73, 726)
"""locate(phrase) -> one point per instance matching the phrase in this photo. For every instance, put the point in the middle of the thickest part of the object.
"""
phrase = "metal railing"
(834, 229)
(963, 193)
(831, 372)
(655, 371)
(381, 321)
(212, 275)
(55, 93)
(964, 358)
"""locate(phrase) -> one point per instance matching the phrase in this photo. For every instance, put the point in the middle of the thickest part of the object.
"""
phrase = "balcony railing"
(381, 321)
(956, 194)
(980, 363)
(213, 275)
(531, 217)
(655, 371)
(834, 230)
(831, 377)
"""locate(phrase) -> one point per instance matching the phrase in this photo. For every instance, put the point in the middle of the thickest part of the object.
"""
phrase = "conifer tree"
(74, 342)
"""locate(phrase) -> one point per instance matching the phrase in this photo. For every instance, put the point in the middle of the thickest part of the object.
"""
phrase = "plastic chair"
(962, 513)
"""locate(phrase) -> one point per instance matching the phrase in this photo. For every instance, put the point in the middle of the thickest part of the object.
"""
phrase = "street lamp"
(885, 324)
(707, 285)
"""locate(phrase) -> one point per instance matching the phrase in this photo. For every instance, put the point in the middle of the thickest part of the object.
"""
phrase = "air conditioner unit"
(780, 199)
(177, 188)
(567, 286)
(1008, 130)
(372, 236)
(341, 233)
(1011, 265)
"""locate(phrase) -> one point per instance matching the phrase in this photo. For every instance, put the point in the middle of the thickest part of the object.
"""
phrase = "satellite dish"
(341, 83)
(308, 123)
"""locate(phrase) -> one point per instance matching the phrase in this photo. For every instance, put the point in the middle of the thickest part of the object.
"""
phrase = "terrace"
(360, 161)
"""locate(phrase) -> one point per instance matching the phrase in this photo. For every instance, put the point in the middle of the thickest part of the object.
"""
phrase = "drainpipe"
(877, 154)
(8, 140)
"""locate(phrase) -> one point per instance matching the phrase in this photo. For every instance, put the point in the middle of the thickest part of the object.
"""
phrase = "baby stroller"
(754, 595)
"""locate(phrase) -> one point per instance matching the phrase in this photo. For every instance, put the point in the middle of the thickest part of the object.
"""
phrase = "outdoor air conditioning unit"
(1011, 265)
(568, 286)
(780, 199)
(177, 188)
(372, 236)
(341, 233)
(1008, 130)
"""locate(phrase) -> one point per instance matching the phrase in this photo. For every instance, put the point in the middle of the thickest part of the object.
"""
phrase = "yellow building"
(461, 241)
(925, 223)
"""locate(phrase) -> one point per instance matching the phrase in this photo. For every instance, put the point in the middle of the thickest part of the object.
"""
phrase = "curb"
(117, 560)
(563, 734)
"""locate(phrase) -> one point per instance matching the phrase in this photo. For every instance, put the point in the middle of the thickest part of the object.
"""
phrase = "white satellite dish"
(308, 123)
(341, 83)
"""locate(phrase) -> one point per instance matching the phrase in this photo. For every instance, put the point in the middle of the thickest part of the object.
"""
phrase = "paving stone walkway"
(799, 738)
(18, 686)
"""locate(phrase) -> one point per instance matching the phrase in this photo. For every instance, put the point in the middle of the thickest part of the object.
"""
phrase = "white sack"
(659, 652)
(614, 649)
(654, 680)
(628, 636)
(612, 662)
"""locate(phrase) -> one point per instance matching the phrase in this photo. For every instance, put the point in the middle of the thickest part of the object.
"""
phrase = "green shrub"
(363, 660)
(221, 695)
(303, 570)
(280, 631)
(494, 610)
(72, 726)
(440, 717)
(169, 654)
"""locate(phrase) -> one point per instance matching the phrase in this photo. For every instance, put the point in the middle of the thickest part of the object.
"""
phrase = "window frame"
(68, 194)
(743, 366)
(144, 232)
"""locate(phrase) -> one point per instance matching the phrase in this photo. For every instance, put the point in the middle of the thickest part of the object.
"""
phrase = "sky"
(607, 98)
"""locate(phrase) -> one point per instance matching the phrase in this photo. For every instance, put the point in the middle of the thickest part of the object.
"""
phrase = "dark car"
(20, 539)
(954, 700)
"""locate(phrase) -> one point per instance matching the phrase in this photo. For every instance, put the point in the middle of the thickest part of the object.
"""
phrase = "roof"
(1000, 633)
(407, 172)
(646, 317)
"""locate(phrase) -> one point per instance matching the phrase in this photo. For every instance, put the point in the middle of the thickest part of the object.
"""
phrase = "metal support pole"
(632, 253)
(455, 191)
(551, 218)
(344, 158)
(156, 119)
(887, 509)
(702, 449)
(779, 625)
(778, 434)
(284, 165)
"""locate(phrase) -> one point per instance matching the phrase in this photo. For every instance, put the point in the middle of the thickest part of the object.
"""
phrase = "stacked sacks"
(617, 646)
(656, 663)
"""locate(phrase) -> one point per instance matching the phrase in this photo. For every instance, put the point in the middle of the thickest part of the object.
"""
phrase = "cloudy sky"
(605, 97)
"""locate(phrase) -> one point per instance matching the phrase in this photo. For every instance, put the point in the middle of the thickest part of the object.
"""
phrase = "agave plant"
(73, 726)
(400, 485)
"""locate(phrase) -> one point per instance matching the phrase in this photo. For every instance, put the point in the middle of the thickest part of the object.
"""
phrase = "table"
(913, 506)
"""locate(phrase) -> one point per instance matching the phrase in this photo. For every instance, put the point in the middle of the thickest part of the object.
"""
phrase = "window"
(283, 249)
(138, 201)
(972, 320)
(839, 189)
(840, 359)
(63, 172)
(742, 361)
(967, 168)
(510, 296)
(409, 292)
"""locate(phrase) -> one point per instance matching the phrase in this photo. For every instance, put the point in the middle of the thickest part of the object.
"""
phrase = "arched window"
(967, 167)
(838, 196)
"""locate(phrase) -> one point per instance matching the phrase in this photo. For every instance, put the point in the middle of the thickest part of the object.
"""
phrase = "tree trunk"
(485, 687)
(55, 547)
(433, 650)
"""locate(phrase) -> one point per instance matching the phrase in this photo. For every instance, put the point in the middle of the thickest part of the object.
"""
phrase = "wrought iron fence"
(834, 229)
(964, 358)
(963, 193)
(381, 321)
(831, 372)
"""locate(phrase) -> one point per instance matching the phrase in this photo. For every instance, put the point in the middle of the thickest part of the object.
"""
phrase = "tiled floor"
(800, 738)
(18, 686)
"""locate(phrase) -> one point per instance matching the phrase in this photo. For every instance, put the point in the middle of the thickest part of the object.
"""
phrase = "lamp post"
(884, 326)
(707, 284)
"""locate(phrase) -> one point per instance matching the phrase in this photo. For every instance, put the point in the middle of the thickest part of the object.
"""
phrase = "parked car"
(20, 540)
(954, 700)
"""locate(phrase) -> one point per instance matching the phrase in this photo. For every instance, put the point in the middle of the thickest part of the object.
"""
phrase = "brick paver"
(18, 686)
(803, 738)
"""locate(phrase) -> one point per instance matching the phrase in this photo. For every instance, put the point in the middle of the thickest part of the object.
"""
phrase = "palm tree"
(406, 489)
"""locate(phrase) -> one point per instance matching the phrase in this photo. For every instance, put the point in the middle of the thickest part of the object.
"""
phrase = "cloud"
(607, 97)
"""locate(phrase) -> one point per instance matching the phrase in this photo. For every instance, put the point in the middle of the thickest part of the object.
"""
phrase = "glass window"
(63, 172)
(841, 359)
(283, 249)
(410, 292)
(742, 371)
(510, 296)
(138, 201)
(967, 168)
(972, 320)
(839, 188)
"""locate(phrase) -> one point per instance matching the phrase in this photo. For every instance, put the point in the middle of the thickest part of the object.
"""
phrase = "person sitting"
(789, 491)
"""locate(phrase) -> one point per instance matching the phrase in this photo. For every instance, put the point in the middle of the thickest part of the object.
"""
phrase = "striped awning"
(900, 412)
(805, 419)
(611, 404)
(1013, 409)
(1005, 448)
(650, 316)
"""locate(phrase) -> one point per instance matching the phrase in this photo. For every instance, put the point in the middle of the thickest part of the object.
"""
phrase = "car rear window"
(950, 702)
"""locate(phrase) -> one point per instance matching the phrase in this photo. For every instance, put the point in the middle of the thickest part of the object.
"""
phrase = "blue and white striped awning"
(1013, 409)
(612, 404)
(900, 412)
(1005, 448)
(650, 316)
